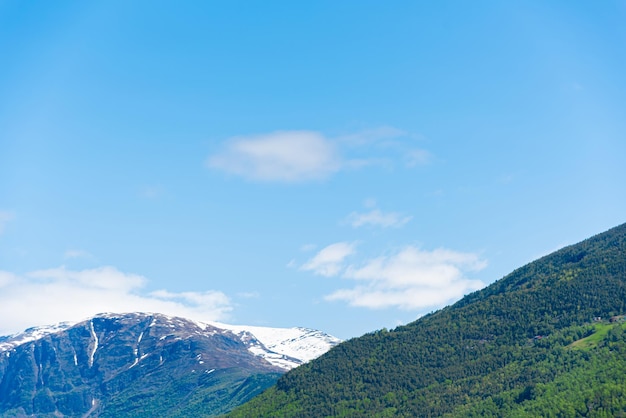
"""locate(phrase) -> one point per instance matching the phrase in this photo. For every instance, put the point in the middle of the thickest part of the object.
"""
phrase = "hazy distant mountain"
(140, 364)
(548, 340)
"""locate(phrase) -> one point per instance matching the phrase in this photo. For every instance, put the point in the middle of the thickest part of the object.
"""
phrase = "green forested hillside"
(539, 342)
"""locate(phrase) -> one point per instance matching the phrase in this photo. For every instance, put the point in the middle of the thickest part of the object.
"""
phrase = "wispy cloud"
(308, 247)
(195, 299)
(415, 157)
(329, 261)
(288, 156)
(77, 254)
(151, 192)
(297, 156)
(376, 217)
(408, 279)
(58, 294)
(249, 295)
(5, 217)
(370, 136)
(389, 143)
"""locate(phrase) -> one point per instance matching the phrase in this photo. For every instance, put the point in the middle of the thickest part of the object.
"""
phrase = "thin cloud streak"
(77, 254)
(370, 136)
(376, 217)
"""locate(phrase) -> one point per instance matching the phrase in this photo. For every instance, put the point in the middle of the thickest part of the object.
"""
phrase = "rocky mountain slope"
(141, 364)
(548, 340)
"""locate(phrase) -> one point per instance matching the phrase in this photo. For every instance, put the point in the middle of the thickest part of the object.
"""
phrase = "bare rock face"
(135, 365)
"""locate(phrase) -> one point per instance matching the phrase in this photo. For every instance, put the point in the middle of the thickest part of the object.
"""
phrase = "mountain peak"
(97, 365)
(285, 348)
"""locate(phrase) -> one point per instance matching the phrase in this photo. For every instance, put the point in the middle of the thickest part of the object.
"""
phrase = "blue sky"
(344, 166)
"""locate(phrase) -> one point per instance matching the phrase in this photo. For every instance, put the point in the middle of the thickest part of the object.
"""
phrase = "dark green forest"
(547, 340)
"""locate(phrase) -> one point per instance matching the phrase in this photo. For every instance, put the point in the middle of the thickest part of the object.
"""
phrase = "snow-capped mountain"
(113, 364)
(282, 347)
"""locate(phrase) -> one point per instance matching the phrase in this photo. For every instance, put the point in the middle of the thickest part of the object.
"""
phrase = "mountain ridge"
(143, 363)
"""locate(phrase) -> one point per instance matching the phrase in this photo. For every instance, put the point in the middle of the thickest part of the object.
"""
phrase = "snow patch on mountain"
(31, 334)
(283, 347)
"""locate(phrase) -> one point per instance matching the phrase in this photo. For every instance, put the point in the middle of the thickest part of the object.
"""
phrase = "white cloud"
(58, 294)
(5, 217)
(410, 279)
(7, 278)
(377, 218)
(102, 278)
(295, 156)
(288, 156)
(329, 260)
